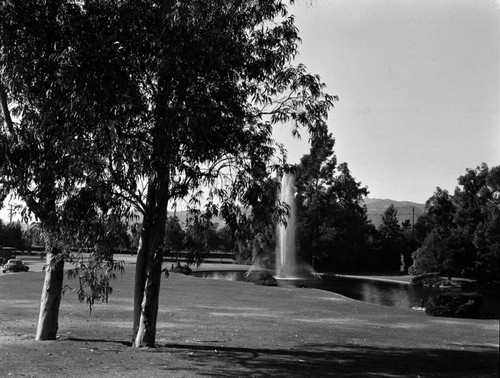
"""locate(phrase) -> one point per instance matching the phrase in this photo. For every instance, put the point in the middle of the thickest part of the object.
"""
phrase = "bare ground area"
(230, 329)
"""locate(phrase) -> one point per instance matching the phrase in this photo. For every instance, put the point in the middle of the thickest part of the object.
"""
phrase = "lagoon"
(393, 294)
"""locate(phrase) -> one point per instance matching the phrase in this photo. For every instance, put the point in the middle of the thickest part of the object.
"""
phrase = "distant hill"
(376, 207)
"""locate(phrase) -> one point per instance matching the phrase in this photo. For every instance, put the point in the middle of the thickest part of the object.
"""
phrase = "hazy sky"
(419, 88)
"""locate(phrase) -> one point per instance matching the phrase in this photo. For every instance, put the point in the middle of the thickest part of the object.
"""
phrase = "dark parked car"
(15, 266)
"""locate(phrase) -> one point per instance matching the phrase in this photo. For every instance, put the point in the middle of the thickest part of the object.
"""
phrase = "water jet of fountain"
(287, 264)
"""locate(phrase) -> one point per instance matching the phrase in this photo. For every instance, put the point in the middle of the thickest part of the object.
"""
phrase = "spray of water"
(286, 249)
(288, 265)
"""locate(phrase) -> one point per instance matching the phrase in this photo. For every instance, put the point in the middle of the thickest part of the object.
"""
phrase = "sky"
(419, 88)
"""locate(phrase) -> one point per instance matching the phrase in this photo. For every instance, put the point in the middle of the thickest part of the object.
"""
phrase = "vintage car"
(15, 266)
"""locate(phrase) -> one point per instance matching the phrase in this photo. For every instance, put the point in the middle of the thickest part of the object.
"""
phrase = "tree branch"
(6, 112)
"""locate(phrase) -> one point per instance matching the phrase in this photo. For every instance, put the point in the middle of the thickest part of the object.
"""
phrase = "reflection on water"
(381, 293)
(378, 292)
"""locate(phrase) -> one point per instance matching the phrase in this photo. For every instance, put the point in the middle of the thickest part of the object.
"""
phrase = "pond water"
(378, 292)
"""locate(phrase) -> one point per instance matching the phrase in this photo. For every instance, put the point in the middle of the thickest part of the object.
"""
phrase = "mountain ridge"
(375, 208)
(406, 209)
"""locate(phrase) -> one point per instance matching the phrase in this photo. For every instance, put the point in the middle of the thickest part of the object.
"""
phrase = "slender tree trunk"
(146, 333)
(6, 112)
(140, 270)
(149, 264)
(150, 255)
(48, 321)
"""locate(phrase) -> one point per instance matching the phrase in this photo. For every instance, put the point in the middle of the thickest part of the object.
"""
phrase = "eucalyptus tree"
(50, 157)
(211, 79)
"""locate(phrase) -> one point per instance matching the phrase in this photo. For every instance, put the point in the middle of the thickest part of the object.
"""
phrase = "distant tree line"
(198, 237)
(458, 235)
(11, 235)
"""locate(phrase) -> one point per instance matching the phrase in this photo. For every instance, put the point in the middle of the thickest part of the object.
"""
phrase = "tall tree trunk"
(48, 321)
(149, 264)
(140, 269)
(146, 333)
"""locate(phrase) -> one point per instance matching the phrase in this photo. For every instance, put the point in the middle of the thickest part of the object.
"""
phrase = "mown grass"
(230, 329)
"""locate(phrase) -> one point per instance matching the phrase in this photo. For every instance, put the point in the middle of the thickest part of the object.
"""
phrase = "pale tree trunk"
(146, 333)
(148, 268)
(6, 112)
(150, 254)
(48, 321)
(140, 271)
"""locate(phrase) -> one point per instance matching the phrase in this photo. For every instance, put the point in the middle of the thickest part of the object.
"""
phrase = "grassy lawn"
(229, 329)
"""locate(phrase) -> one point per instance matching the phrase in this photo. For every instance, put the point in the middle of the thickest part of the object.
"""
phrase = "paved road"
(36, 264)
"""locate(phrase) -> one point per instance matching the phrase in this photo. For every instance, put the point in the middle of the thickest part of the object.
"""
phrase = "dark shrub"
(265, 279)
(182, 269)
(426, 279)
(457, 305)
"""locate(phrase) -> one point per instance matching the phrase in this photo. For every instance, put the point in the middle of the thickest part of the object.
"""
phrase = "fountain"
(288, 266)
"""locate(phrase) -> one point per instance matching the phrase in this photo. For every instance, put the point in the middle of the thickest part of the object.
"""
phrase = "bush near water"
(453, 304)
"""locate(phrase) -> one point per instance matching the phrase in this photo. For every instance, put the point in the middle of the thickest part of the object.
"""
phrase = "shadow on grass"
(336, 361)
(88, 340)
(307, 360)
